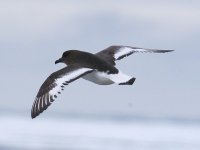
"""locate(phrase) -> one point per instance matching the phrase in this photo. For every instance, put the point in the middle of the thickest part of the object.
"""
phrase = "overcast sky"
(33, 34)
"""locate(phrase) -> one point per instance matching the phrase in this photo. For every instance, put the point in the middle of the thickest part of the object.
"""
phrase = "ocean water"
(19, 133)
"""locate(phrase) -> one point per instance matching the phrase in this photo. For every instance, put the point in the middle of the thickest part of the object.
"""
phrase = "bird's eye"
(64, 54)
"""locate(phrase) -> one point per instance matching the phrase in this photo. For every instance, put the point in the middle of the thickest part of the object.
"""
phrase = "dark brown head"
(65, 57)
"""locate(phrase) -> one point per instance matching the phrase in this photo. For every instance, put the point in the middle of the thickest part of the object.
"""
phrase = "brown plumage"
(87, 60)
(98, 68)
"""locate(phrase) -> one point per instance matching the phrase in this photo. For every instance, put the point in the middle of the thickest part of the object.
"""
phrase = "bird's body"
(103, 70)
(88, 60)
(98, 68)
(98, 77)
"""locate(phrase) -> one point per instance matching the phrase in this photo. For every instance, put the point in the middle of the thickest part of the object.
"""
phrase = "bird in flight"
(98, 68)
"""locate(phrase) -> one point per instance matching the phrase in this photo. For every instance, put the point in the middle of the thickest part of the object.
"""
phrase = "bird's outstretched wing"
(53, 86)
(114, 53)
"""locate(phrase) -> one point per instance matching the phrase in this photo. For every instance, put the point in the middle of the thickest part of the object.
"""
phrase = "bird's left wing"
(113, 53)
(53, 86)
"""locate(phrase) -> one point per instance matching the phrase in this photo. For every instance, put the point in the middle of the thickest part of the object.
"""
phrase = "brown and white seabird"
(98, 68)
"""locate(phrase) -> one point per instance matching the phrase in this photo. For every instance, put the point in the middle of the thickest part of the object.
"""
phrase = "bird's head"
(65, 57)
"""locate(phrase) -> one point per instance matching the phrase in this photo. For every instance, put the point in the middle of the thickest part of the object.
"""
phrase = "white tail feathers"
(104, 78)
(121, 78)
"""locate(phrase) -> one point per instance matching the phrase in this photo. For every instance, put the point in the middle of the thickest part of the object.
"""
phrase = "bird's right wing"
(53, 86)
(113, 53)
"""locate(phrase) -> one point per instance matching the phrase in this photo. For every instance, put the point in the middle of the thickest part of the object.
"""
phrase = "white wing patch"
(65, 79)
(43, 101)
(127, 50)
(123, 52)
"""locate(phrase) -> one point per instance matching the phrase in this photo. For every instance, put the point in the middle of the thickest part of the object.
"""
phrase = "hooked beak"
(58, 61)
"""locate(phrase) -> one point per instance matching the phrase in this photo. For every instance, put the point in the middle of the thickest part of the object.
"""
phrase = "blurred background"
(160, 111)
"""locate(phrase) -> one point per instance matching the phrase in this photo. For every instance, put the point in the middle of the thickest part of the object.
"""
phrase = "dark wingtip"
(163, 51)
(37, 113)
(169, 50)
(33, 116)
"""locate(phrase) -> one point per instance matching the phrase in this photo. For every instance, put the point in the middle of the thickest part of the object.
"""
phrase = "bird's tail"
(129, 82)
(121, 78)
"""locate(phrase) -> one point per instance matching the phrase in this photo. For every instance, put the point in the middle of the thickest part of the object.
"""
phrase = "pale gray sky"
(35, 33)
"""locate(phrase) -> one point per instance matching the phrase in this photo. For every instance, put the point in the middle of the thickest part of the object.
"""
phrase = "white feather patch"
(117, 78)
(127, 50)
(98, 78)
(66, 78)
(122, 51)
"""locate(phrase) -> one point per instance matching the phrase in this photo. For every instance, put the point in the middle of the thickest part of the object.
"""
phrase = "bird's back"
(85, 59)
